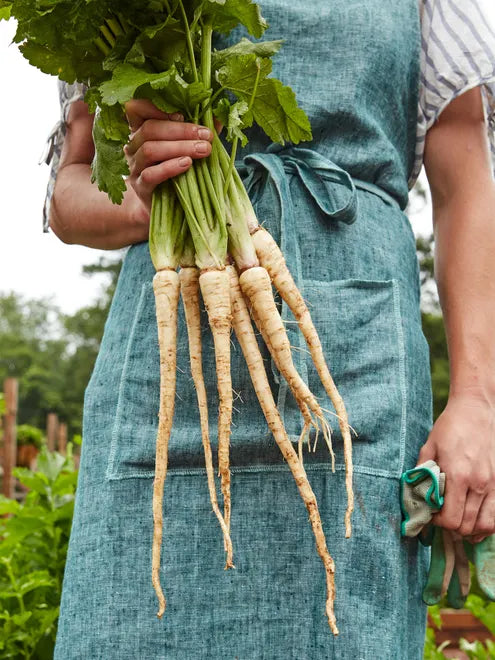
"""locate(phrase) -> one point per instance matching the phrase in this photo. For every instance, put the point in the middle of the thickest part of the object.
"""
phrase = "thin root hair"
(238, 396)
(330, 412)
(300, 348)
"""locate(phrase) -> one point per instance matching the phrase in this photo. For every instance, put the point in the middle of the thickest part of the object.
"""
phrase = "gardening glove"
(422, 491)
(449, 572)
(483, 558)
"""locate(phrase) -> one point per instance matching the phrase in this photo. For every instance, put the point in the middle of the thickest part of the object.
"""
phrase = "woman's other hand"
(161, 146)
(462, 442)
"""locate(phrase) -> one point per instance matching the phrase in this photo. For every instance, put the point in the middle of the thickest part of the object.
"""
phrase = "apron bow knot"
(316, 173)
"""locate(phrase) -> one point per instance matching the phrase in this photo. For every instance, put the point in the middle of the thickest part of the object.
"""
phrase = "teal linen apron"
(336, 207)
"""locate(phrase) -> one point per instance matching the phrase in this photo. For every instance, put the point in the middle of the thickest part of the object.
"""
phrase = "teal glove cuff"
(421, 491)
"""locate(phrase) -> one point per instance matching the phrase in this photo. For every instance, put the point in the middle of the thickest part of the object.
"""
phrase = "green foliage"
(226, 14)
(4, 11)
(245, 47)
(431, 650)
(274, 106)
(483, 610)
(435, 614)
(434, 331)
(433, 326)
(109, 164)
(29, 435)
(154, 50)
(35, 535)
(477, 650)
(52, 354)
(233, 117)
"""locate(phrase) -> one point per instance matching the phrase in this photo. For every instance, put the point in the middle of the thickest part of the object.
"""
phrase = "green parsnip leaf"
(126, 78)
(245, 47)
(175, 93)
(109, 164)
(274, 107)
(181, 95)
(221, 111)
(121, 52)
(49, 61)
(5, 9)
(228, 14)
(92, 98)
(114, 123)
(234, 118)
(164, 44)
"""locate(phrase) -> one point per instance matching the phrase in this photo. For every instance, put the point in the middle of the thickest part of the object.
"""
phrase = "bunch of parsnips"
(202, 222)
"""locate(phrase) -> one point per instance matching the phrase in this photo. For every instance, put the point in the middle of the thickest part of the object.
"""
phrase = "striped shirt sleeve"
(457, 54)
(67, 95)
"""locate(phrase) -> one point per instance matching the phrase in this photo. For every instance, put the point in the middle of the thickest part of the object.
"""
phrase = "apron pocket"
(133, 435)
(360, 327)
(359, 324)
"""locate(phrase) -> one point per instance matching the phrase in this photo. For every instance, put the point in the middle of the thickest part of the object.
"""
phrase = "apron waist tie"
(315, 173)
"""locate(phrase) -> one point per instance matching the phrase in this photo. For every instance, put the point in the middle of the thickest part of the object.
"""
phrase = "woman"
(360, 70)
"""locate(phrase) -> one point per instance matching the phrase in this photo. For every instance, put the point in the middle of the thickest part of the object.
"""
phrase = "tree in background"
(83, 331)
(433, 326)
(51, 353)
(431, 313)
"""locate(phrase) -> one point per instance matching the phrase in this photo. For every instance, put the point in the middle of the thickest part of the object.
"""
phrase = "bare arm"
(160, 149)
(79, 212)
(462, 441)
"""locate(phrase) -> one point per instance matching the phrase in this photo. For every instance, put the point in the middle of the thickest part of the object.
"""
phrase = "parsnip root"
(166, 289)
(214, 286)
(245, 335)
(306, 415)
(189, 286)
(256, 286)
(272, 259)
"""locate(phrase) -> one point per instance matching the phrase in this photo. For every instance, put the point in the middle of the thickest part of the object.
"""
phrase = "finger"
(427, 453)
(452, 512)
(152, 153)
(485, 523)
(139, 110)
(152, 176)
(471, 510)
(153, 130)
(478, 539)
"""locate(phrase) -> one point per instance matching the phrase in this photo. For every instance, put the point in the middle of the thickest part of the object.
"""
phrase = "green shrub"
(35, 535)
(29, 435)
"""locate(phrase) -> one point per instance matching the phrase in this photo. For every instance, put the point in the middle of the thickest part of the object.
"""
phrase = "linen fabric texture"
(352, 252)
